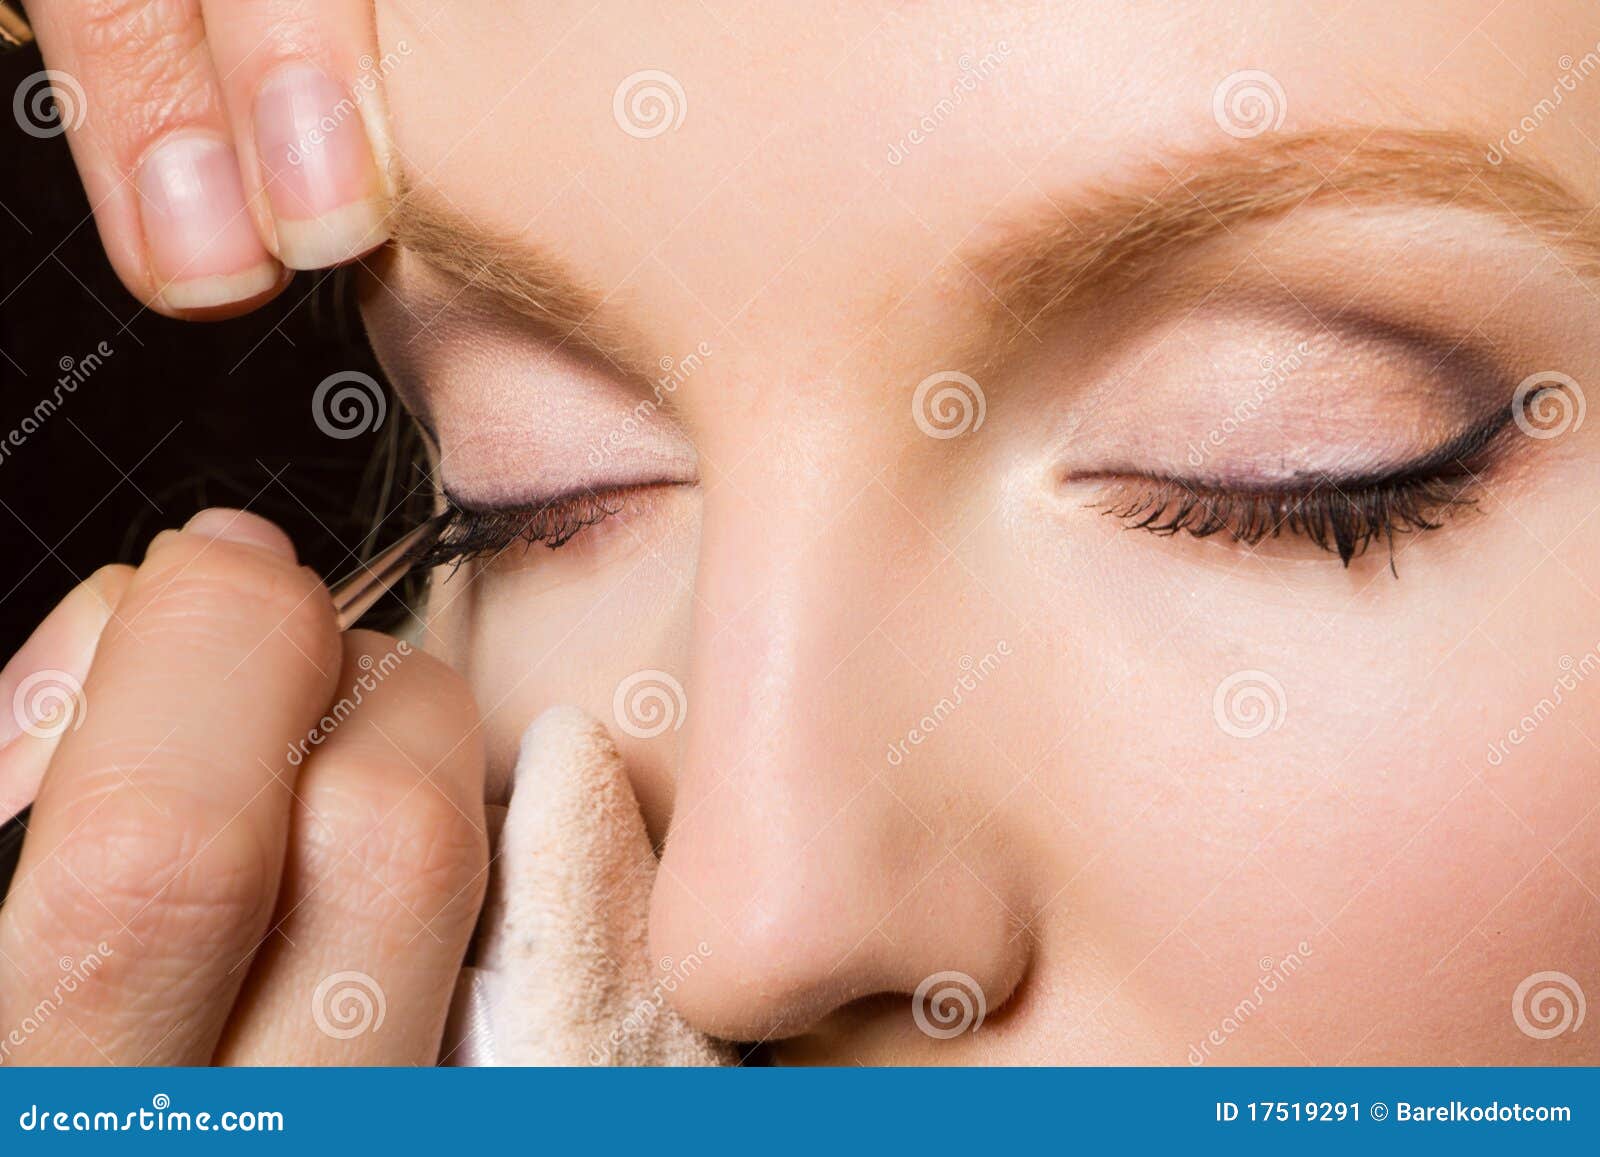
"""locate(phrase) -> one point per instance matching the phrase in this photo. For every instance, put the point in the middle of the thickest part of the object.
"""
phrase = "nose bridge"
(809, 872)
(774, 738)
(775, 620)
(803, 553)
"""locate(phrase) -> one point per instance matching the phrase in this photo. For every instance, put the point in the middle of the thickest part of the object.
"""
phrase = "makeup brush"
(353, 597)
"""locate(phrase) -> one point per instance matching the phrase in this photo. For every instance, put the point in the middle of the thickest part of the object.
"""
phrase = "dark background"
(180, 416)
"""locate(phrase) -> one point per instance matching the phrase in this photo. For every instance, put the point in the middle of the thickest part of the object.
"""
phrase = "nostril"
(950, 1014)
(768, 980)
(803, 938)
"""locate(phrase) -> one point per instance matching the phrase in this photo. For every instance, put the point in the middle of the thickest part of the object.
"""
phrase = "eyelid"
(533, 505)
(1468, 451)
(1454, 455)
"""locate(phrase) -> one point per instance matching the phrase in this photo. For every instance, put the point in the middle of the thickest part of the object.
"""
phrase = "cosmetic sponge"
(562, 973)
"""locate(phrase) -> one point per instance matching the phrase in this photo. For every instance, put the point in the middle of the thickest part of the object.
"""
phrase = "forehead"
(799, 171)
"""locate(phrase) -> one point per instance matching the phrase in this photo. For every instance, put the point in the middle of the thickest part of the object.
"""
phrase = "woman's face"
(871, 333)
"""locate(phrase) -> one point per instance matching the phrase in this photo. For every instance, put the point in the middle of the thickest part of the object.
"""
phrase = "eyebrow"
(1097, 241)
(1112, 239)
(525, 278)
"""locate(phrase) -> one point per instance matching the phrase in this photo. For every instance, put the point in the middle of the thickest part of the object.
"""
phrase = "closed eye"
(1343, 516)
(476, 533)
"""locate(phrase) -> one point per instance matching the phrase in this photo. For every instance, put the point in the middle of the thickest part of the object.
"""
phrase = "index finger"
(142, 108)
(302, 84)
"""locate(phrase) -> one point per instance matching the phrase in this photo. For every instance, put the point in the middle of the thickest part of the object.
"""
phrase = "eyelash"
(472, 534)
(1341, 519)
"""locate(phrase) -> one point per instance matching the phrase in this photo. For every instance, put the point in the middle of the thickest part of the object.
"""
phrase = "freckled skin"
(1163, 801)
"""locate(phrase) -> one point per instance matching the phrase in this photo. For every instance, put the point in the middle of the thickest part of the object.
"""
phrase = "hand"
(220, 141)
(253, 835)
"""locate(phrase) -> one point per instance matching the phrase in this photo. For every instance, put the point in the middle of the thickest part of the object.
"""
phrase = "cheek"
(1374, 793)
(609, 639)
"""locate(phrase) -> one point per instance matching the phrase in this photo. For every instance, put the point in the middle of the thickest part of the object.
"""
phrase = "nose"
(815, 857)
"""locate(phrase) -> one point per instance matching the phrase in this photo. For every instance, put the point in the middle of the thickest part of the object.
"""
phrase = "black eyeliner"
(1342, 515)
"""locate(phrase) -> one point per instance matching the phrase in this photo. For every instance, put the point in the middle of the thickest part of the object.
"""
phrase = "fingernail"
(162, 539)
(241, 526)
(202, 243)
(321, 179)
